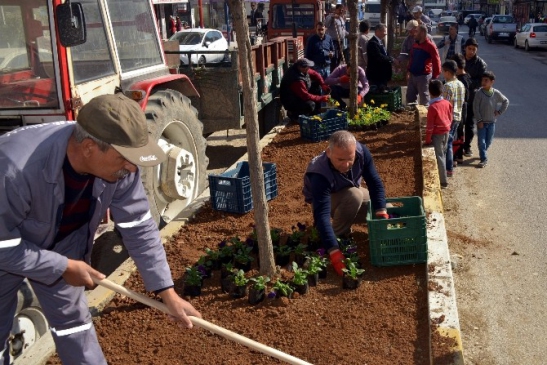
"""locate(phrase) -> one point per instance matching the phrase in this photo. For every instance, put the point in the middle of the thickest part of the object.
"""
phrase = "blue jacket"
(31, 205)
(322, 179)
(317, 50)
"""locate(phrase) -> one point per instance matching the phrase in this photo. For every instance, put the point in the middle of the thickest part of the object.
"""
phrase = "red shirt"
(439, 118)
(300, 89)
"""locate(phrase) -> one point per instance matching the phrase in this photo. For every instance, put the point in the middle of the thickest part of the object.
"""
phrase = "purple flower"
(221, 244)
(301, 227)
(250, 242)
(272, 295)
(321, 252)
(351, 249)
(202, 270)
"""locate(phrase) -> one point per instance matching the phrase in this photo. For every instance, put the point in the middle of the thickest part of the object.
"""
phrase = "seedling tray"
(320, 127)
(401, 240)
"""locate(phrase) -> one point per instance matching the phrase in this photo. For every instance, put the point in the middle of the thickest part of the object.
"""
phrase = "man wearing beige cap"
(57, 181)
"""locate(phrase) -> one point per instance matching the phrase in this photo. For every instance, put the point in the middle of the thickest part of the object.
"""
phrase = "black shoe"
(468, 153)
(444, 186)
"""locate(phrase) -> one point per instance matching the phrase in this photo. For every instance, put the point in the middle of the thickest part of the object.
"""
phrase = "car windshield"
(446, 19)
(503, 19)
(187, 38)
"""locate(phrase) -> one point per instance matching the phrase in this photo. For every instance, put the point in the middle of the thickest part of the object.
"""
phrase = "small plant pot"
(282, 260)
(301, 289)
(238, 291)
(300, 259)
(224, 272)
(192, 290)
(226, 259)
(243, 266)
(350, 283)
(313, 279)
(226, 284)
(216, 264)
(323, 273)
(255, 296)
(208, 272)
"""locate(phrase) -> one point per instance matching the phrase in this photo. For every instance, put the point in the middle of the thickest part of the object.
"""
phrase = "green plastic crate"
(398, 241)
(393, 99)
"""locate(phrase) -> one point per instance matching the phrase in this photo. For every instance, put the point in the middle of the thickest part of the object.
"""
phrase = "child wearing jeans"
(439, 120)
(489, 104)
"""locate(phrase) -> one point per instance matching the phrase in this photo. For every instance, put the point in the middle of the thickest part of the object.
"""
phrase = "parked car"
(531, 35)
(434, 14)
(445, 23)
(201, 40)
(501, 27)
(476, 16)
(448, 13)
(482, 27)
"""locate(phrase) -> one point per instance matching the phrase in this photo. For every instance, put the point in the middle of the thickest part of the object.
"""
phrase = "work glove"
(344, 79)
(337, 260)
(382, 215)
(325, 98)
(359, 99)
(325, 88)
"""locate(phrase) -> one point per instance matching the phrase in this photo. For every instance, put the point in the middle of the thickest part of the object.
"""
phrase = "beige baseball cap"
(412, 24)
(120, 122)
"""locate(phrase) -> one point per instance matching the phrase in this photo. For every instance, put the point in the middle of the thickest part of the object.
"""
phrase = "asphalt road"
(496, 221)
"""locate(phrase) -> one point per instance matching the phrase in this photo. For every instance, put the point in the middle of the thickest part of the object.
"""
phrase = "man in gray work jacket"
(56, 182)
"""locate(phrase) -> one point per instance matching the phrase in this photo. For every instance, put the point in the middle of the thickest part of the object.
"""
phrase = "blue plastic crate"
(231, 190)
(315, 130)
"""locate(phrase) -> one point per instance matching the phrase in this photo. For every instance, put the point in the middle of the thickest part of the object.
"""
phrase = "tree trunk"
(354, 77)
(267, 263)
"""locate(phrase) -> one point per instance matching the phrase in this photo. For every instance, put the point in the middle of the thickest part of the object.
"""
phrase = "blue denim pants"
(485, 135)
(449, 150)
(323, 71)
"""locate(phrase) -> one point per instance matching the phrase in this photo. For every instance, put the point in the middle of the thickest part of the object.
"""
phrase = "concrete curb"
(443, 311)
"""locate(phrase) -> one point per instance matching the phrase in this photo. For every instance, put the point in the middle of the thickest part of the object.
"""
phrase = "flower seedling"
(243, 255)
(300, 275)
(240, 279)
(281, 288)
(284, 250)
(259, 283)
(351, 270)
(213, 255)
(193, 276)
(315, 264)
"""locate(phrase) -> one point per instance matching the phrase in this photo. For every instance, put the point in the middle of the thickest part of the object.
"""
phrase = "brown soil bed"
(384, 321)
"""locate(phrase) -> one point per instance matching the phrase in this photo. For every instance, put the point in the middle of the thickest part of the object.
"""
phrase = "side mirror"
(207, 44)
(71, 24)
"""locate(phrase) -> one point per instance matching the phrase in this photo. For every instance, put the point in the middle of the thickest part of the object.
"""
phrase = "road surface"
(496, 220)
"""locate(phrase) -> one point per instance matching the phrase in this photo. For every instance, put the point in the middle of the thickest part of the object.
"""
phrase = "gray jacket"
(336, 28)
(484, 106)
(31, 205)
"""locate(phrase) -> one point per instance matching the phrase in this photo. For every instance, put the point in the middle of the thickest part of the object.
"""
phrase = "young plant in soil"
(283, 255)
(243, 258)
(193, 281)
(226, 252)
(314, 240)
(300, 279)
(322, 253)
(352, 275)
(300, 252)
(257, 289)
(350, 251)
(275, 234)
(239, 289)
(281, 289)
(214, 256)
(205, 265)
(315, 266)
(297, 235)
(226, 279)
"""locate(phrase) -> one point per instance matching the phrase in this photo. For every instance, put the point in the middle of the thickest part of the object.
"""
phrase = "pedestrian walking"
(454, 93)
(336, 28)
(488, 105)
(424, 64)
(450, 44)
(475, 67)
(320, 50)
(364, 37)
(465, 79)
(439, 120)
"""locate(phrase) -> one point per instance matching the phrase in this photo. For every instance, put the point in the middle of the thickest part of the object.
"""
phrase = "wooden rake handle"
(203, 324)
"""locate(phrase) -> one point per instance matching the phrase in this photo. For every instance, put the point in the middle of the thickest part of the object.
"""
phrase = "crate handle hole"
(392, 226)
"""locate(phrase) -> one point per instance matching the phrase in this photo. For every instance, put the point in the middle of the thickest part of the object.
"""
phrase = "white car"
(531, 35)
(201, 40)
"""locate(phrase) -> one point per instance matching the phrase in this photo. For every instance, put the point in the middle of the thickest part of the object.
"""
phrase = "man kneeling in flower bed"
(332, 185)
(339, 81)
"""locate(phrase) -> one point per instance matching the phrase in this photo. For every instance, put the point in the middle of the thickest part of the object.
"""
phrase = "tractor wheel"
(176, 183)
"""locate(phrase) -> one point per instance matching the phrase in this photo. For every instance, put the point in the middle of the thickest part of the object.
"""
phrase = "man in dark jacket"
(320, 50)
(56, 183)
(472, 24)
(301, 89)
(475, 67)
(332, 185)
(379, 70)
